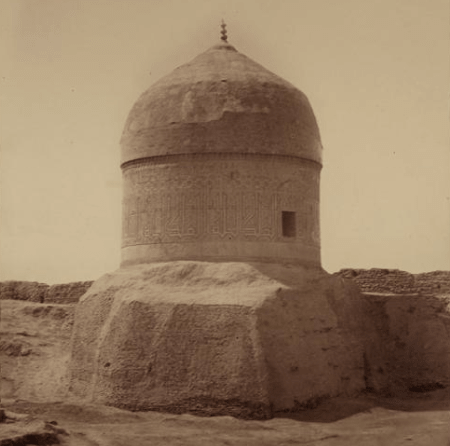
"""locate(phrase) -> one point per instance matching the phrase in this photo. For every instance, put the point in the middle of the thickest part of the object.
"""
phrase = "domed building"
(220, 306)
(221, 161)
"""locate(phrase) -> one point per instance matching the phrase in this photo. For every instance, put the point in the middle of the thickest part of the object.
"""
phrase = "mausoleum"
(221, 161)
(220, 305)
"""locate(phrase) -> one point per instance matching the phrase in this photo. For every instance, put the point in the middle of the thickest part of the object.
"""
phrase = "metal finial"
(224, 36)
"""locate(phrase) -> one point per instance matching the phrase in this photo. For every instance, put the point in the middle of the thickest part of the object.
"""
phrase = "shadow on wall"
(405, 338)
(406, 342)
(406, 320)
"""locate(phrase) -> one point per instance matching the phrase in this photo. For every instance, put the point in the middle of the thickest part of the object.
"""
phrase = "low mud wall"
(375, 280)
(379, 280)
(42, 293)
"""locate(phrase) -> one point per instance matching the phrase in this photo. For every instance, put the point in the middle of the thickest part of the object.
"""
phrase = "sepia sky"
(376, 73)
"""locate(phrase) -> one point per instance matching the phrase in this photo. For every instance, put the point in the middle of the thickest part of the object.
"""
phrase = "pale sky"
(376, 73)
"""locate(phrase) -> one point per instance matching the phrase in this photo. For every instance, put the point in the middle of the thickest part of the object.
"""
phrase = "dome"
(221, 102)
(221, 161)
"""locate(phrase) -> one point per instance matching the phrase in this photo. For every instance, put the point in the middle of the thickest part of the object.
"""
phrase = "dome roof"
(221, 102)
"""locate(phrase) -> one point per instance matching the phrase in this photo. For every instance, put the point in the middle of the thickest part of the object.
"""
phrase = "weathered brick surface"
(406, 341)
(378, 280)
(43, 293)
(30, 291)
(435, 282)
(66, 293)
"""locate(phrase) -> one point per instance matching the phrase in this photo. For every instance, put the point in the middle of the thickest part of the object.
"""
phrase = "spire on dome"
(224, 35)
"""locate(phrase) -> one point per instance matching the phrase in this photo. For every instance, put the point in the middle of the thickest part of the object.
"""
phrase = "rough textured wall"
(434, 282)
(30, 291)
(43, 293)
(66, 293)
(221, 207)
(217, 338)
(34, 349)
(406, 342)
(380, 280)
(407, 328)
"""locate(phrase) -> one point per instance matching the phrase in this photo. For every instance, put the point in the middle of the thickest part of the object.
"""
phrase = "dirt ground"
(34, 341)
(423, 419)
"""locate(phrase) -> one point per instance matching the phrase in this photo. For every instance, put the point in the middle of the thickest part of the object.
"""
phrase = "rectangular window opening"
(288, 224)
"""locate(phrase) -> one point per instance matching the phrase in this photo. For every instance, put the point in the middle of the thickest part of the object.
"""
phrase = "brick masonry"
(379, 280)
(42, 293)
